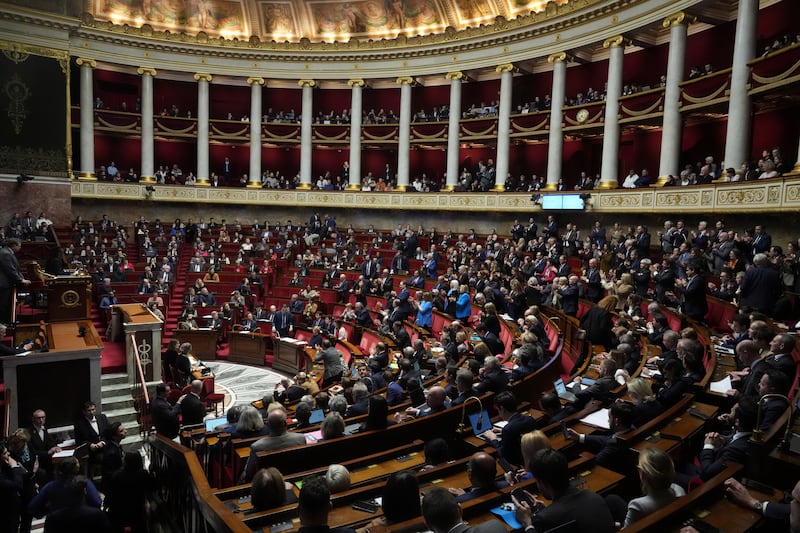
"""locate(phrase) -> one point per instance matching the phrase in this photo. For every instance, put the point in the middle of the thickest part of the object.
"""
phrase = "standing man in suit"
(164, 415)
(516, 426)
(332, 359)
(551, 471)
(42, 443)
(10, 278)
(191, 406)
(442, 514)
(594, 286)
(569, 296)
(90, 427)
(762, 241)
(761, 286)
(283, 322)
(693, 300)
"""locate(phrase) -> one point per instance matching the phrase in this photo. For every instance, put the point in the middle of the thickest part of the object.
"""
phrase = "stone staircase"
(117, 405)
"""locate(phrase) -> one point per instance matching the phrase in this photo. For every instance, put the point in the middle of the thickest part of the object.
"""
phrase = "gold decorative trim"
(81, 61)
(13, 49)
(455, 75)
(306, 83)
(558, 56)
(147, 179)
(534, 128)
(505, 67)
(203, 76)
(171, 130)
(422, 137)
(404, 80)
(487, 131)
(255, 80)
(293, 135)
(129, 127)
(304, 187)
(147, 71)
(617, 40)
(356, 82)
(239, 133)
(643, 112)
(679, 18)
(587, 121)
(703, 99)
(371, 137)
(318, 134)
(767, 80)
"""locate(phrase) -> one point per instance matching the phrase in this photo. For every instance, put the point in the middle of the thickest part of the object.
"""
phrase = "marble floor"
(242, 384)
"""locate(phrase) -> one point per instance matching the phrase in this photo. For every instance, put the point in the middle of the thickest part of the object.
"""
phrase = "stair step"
(125, 414)
(116, 378)
(115, 403)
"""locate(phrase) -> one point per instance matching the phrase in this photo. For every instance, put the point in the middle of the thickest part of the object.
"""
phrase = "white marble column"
(555, 149)
(672, 130)
(87, 119)
(737, 138)
(256, 84)
(506, 71)
(147, 171)
(306, 148)
(454, 130)
(356, 114)
(404, 136)
(609, 171)
(203, 81)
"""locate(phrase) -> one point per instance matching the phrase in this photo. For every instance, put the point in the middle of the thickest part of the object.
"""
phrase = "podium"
(203, 341)
(146, 330)
(290, 355)
(69, 298)
(58, 381)
(249, 348)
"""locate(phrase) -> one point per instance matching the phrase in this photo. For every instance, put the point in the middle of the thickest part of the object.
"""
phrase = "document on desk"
(64, 453)
(598, 419)
(722, 386)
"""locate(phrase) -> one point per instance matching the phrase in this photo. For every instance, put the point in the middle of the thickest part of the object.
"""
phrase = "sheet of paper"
(64, 453)
(722, 386)
(598, 419)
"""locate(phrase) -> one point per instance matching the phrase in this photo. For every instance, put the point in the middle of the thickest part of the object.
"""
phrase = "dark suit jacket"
(165, 417)
(594, 287)
(81, 518)
(569, 299)
(84, 432)
(41, 446)
(192, 410)
(760, 289)
(358, 408)
(712, 462)
(496, 381)
(609, 452)
(509, 446)
(694, 299)
(599, 390)
(594, 516)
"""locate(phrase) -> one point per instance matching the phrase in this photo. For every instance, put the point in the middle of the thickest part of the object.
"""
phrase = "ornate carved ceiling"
(316, 20)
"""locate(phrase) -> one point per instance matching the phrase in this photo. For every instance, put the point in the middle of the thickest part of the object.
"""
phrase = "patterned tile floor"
(242, 384)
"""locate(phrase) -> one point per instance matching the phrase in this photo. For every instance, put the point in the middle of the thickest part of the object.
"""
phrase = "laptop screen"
(560, 387)
(212, 424)
(317, 416)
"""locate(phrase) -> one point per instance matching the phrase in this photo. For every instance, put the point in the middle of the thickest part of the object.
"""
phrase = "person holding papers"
(8, 350)
(609, 451)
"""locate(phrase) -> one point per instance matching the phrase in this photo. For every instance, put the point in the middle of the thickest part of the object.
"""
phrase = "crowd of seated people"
(780, 42)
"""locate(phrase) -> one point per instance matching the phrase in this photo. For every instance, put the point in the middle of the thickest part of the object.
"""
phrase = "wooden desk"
(203, 341)
(71, 367)
(686, 425)
(248, 348)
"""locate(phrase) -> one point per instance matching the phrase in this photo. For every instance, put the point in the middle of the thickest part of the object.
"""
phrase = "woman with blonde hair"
(656, 473)
(531, 442)
(645, 405)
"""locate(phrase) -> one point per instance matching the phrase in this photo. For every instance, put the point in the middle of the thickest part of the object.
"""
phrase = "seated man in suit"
(551, 471)
(600, 389)
(277, 439)
(313, 507)
(435, 401)
(482, 473)
(493, 378)
(192, 410)
(717, 450)
(360, 404)
(609, 451)
(517, 424)
(552, 407)
(443, 515)
(464, 386)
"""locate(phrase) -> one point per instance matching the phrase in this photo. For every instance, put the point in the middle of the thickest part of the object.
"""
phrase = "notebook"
(562, 391)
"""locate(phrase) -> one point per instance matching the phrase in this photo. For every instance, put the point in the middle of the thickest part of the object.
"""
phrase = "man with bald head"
(482, 473)
(435, 401)
(277, 439)
(192, 410)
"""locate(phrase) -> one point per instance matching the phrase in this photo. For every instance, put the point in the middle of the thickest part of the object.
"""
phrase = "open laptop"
(481, 423)
(317, 416)
(562, 391)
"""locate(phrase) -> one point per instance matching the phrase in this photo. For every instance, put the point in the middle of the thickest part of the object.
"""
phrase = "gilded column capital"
(505, 67)
(358, 82)
(203, 76)
(255, 80)
(676, 19)
(81, 61)
(405, 80)
(147, 71)
(456, 75)
(307, 83)
(617, 40)
(558, 57)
